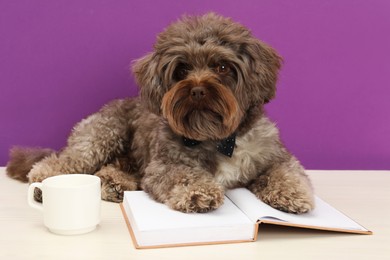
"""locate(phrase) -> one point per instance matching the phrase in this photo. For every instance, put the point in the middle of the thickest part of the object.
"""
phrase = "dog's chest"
(249, 158)
(240, 168)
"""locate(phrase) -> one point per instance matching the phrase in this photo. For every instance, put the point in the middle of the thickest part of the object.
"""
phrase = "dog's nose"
(198, 92)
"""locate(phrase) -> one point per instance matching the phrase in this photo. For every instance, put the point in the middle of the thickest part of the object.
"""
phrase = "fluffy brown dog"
(198, 129)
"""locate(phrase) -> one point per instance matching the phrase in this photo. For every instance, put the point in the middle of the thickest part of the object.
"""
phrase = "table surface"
(362, 195)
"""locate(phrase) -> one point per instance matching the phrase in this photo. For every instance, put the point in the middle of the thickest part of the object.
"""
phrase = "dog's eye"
(222, 68)
(181, 72)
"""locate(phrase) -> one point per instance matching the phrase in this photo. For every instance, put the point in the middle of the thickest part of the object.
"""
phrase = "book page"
(152, 215)
(155, 223)
(323, 215)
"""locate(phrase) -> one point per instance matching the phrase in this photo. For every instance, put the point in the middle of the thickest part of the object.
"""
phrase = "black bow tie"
(224, 146)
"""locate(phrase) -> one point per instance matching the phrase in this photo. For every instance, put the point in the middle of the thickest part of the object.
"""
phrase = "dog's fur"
(206, 79)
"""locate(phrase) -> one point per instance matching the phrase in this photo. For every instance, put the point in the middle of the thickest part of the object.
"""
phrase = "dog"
(197, 129)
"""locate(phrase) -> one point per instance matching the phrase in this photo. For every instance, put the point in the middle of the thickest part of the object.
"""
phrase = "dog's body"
(198, 128)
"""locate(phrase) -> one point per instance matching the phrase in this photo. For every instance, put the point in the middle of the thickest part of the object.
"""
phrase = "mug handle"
(30, 195)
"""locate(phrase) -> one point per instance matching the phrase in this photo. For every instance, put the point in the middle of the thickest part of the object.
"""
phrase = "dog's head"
(205, 74)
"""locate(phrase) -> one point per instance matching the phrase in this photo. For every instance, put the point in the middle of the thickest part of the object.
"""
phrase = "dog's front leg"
(285, 186)
(183, 188)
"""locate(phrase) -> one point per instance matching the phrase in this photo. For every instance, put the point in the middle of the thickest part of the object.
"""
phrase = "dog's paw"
(112, 191)
(114, 183)
(38, 194)
(196, 198)
(291, 202)
(284, 196)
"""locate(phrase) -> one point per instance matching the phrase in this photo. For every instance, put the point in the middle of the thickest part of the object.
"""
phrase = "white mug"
(70, 203)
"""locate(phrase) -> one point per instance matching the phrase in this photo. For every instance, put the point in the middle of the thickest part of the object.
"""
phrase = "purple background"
(61, 60)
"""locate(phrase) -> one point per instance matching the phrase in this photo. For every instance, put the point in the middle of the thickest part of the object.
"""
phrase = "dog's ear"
(264, 64)
(146, 71)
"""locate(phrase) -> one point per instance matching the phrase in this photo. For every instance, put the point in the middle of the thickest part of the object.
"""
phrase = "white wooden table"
(362, 195)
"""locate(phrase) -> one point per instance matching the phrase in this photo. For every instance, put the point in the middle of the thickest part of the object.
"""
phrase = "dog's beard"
(215, 116)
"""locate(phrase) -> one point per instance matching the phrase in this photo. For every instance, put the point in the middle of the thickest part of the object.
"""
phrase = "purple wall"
(61, 60)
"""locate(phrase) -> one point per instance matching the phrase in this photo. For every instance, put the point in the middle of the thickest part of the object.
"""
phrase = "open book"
(152, 224)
